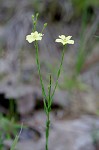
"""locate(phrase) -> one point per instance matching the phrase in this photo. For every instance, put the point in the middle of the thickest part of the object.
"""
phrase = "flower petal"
(36, 33)
(70, 41)
(68, 38)
(40, 34)
(39, 38)
(62, 37)
(58, 40)
(29, 38)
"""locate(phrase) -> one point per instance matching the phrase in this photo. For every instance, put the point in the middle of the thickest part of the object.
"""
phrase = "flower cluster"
(65, 40)
(35, 36)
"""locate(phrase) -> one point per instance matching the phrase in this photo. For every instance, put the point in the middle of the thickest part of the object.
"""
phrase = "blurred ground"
(18, 71)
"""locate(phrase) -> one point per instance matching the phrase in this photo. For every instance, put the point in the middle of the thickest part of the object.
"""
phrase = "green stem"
(50, 87)
(49, 94)
(39, 70)
(47, 130)
(58, 73)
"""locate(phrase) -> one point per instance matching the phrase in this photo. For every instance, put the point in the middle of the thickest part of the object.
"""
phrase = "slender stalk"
(49, 94)
(58, 73)
(39, 70)
(48, 115)
(47, 130)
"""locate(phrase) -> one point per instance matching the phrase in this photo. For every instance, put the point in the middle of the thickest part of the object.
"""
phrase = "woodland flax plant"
(47, 97)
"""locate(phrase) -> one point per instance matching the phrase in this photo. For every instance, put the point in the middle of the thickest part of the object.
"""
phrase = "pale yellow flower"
(34, 36)
(65, 40)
